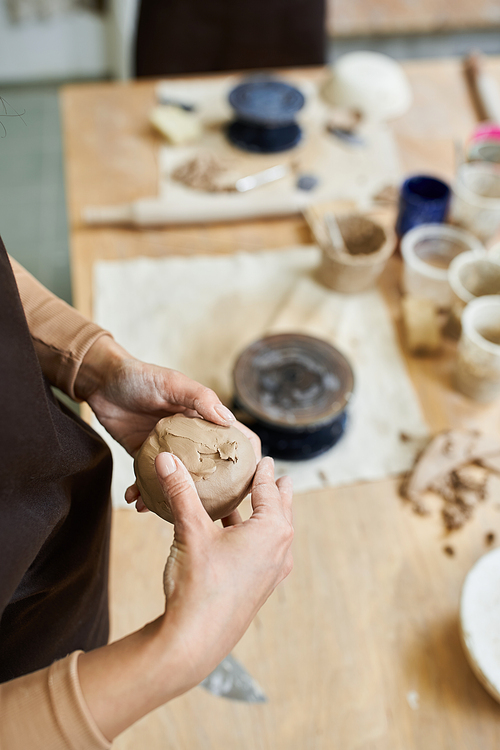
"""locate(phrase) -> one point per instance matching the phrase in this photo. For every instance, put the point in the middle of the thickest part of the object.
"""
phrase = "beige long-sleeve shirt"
(46, 710)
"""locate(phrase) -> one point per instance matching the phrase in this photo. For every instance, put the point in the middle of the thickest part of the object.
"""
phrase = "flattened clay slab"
(221, 462)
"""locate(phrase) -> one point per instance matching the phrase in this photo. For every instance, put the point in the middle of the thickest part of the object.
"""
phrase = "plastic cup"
(476, 199)
(477, 372)
(428, 251)
(422, 200)
(473, 275)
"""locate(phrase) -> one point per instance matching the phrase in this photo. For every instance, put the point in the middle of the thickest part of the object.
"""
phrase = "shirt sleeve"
(62, 336)
(46, 710)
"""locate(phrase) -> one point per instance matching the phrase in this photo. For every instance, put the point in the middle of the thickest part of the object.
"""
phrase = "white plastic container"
(477, 372)
(475, 203)
(494, 252)
(473, 275)
(428, 251)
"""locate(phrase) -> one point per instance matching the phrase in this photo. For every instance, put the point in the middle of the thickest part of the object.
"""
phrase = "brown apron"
(194, 36)
(55, 476)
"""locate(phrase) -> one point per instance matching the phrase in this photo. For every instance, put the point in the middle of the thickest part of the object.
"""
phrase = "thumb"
(180, 492)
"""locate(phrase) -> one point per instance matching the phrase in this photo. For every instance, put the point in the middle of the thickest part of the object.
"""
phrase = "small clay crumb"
(448, 550)
(323, 476)
(489, 538)
(404, 437)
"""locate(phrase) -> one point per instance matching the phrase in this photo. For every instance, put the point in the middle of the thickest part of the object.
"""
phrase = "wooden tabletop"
(359, 648)
(358, 18)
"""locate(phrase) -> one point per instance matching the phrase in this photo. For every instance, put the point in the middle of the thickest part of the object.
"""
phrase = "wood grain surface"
(347, 18)
(359, 648)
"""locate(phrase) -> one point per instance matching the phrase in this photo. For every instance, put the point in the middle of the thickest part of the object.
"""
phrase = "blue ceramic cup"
(422, 200)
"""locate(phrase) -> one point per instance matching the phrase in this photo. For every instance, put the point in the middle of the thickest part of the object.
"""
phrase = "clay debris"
(205, 172)
(455, 465)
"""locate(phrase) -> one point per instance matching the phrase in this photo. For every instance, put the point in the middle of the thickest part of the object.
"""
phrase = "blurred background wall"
(58, 41)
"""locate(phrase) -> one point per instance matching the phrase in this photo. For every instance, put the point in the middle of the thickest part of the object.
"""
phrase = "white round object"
(473, 275)
(371, 82)
(480, 620)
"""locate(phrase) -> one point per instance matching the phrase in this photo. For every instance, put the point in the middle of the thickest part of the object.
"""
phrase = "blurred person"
(195, 36)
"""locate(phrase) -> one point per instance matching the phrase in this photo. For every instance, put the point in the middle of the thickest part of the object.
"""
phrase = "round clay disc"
(220, 460)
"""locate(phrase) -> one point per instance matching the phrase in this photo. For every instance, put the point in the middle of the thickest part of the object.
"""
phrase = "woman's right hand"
(217, 578)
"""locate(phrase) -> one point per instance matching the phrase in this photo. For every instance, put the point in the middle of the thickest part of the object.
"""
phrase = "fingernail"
(165, 464)
(224, 413)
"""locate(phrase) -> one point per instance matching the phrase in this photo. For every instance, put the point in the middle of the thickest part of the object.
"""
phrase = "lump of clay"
(220, 460)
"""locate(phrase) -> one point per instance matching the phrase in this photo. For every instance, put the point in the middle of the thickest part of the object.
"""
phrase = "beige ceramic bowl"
(348, 273)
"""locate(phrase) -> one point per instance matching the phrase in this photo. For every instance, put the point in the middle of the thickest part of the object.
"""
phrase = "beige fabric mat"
(195, 314)
(344, 171)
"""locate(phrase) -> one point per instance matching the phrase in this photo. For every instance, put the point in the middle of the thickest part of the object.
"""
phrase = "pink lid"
(485, 131)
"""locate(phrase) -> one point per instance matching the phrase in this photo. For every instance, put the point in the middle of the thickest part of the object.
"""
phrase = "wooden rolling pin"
(150, 212)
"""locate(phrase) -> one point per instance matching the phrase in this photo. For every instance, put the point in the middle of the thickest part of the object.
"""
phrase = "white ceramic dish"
(480, 620)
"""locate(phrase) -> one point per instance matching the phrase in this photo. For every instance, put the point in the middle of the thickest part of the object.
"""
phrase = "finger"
(232, 519)
(132, 493)
(285, 487)
(265, 494)
(180, 492)
(254, 439)
(141, 507)
(188, 393)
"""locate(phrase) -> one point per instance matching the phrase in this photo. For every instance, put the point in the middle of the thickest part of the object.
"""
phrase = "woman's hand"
(128, 398)
(216, 579)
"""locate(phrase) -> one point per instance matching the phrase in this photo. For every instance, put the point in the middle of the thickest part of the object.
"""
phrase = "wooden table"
(359, 648)
(364, 18)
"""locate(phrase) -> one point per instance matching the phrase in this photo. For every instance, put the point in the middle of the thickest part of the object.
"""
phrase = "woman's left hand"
(128, 398)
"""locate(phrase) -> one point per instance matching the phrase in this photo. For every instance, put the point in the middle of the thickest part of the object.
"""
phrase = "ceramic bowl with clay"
(293, 390)
(367, 248)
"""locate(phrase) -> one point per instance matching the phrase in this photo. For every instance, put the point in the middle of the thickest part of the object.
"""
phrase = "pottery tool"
(261, 178)
(231, 680)
(265, 110)
(292, 390)
(334, 233)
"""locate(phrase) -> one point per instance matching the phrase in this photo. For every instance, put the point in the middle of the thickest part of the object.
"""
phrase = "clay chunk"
(221, 462)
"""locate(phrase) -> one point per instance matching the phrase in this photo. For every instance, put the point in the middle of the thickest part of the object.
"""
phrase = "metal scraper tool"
(231, 680)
